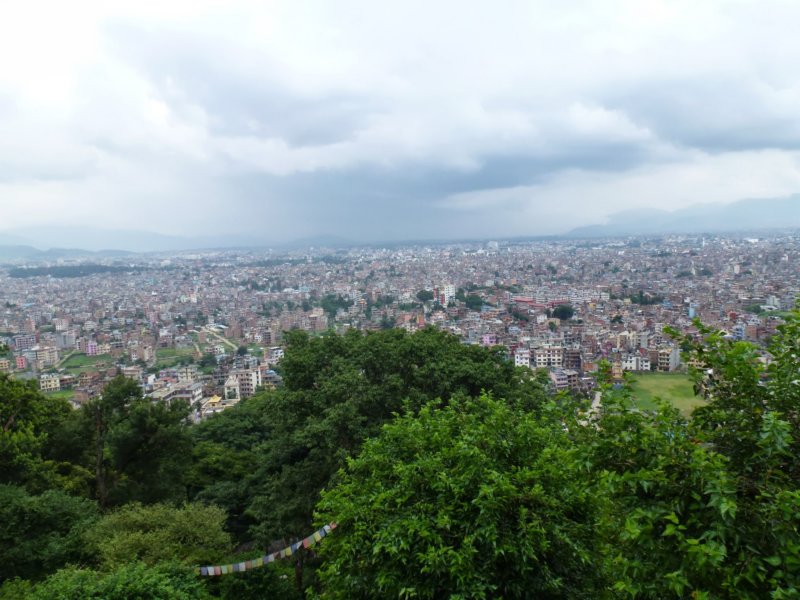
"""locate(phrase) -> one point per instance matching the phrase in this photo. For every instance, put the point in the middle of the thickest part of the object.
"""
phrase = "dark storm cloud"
(714, 114)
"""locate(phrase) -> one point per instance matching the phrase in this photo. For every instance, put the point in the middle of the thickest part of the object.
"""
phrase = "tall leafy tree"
(27, 419)
(473, 500)
(140, 450)
(339, 390)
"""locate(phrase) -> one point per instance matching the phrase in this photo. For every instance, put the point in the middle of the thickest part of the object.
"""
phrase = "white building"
(522, 357)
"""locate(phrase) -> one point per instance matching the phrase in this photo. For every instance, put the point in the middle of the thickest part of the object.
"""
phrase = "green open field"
(675, 388)
(169, 357)
(78, 363)
(65, 394)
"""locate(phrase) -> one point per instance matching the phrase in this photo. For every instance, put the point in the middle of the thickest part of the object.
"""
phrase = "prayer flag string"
(216, 570)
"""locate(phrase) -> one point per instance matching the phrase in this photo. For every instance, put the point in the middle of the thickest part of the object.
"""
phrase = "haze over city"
(387, 121)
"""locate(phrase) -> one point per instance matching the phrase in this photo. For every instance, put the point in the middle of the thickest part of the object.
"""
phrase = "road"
(220, 338)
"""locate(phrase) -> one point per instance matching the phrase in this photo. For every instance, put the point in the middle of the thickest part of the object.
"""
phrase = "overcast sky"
(386, 120)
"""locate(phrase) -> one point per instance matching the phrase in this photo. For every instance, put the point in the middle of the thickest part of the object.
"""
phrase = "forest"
(446, 471)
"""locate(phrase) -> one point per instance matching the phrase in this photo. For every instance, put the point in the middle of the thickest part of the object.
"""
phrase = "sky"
(391, 120)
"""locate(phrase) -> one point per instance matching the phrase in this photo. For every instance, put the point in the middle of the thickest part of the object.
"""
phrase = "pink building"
(91, 348)
(22, 362)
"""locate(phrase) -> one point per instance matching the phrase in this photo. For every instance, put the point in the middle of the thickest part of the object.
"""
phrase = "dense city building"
(209, 326)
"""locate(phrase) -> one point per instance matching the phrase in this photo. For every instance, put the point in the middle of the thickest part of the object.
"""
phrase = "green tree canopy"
(140, 450)
(476, 499)
(41, 533)
(564, 312)
(132, 581)
(474, 302)
(339, 390)
(192, 534)
(27, 419)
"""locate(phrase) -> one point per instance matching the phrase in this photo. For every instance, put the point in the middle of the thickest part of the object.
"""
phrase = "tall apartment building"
(25, 341)
(548, 356)
(242, 383)
(668, 359)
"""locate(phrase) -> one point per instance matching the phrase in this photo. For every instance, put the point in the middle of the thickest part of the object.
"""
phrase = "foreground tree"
(338, 392)
(133, 581)
(27, 419)
(476, 499)
(140, 450)
(41, 533)
(191, 535)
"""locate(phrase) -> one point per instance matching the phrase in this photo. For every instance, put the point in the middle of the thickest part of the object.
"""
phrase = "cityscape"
(208, 326)
(398, 300)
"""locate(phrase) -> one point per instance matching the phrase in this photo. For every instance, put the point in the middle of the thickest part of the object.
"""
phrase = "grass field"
(675, 388)
(78, 363)
(169, 357)
(65, 394)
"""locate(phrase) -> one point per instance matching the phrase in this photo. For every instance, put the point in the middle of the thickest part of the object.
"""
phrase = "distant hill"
(18, 252)
(744, 215)
(22, 253)
(94, 239)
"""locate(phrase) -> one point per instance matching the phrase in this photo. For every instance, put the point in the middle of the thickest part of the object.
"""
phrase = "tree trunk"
(298, 571)
(100, 466)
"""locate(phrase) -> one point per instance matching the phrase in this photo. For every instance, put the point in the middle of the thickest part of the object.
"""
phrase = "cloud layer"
(391, 119)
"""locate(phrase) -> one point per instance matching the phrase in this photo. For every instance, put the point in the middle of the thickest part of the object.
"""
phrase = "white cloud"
(102, 103)
(574, 198)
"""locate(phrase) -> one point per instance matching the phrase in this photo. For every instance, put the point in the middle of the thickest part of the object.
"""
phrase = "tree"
(225, 448)
(208, 361)
(707, 508)
(339, 390)
(133, 581)
(41, 533)
(27, 419)
(140, 450)
(475, 499)
(424, 295)
(192, 534)
(241, 351)
(672, 503)
(474, 302)
(563, 312)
